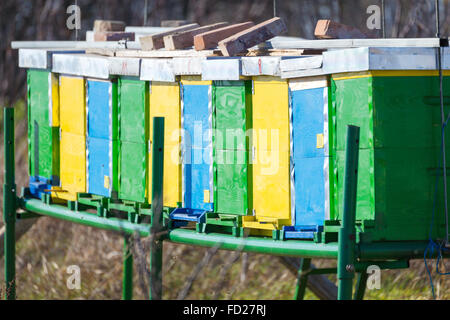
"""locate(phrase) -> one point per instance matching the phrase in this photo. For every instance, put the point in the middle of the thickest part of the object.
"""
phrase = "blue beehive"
(311, 158)
(101, 137)
(197, 145)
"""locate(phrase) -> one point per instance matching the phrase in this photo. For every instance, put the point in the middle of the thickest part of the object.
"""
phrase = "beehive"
(399, 116)
(197, 143)
(270, 155)
(133, 139)
(232, 170)
(102, 137)
(165, 102)
(43, 131)
(312, 154)
(72, 102)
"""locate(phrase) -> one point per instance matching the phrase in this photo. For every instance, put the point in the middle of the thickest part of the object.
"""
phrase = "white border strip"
(327, 154)
(211, 169)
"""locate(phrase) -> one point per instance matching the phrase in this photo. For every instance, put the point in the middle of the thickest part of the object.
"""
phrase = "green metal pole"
(127, 286)
(157, 208)
(346, 239)
(9, 205)
(302, 278)
(307, 249)
(361, 285)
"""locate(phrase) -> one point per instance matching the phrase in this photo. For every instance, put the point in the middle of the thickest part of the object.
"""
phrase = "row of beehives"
(286, 173)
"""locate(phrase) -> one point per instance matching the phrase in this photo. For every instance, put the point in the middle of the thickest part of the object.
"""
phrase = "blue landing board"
(197, 115)
(308, 121)
(99, 166)
(99, 109)
(185, 214)
(38, 185)
(300, 232)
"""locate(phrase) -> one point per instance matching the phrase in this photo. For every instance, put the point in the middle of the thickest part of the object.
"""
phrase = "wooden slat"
(108, 25)
(328, 29)
(155, 41)
(113, 36)
(185, 39)
(210, 39)
(243, 40)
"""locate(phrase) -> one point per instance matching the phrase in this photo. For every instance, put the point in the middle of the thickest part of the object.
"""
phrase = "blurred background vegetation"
(50, 246)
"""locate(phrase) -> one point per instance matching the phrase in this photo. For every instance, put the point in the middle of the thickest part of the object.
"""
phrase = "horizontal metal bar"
(395, 250)
(75, 44)
(353, 43)
(84, 218)
(307, 249)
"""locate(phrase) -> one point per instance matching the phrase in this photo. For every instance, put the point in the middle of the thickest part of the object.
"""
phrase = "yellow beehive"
(270, 148)
(165, 102)
(72, 104)
(72, 121)
(73, 166)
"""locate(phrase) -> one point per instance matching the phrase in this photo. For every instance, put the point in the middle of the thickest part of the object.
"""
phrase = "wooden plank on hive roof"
(185, 39)
(210, 39)
(243, 40)
(155, 41)
(329, 29)
(108, 25)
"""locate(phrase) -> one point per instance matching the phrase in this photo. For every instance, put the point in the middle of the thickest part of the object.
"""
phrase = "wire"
(444, 123)
(384, 18)
(145, 12)
(431, 244)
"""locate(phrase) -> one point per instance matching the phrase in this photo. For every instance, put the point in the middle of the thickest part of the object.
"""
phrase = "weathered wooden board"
(155, 41)
(185, 39)
(243, 40)
(108, 25)
(210, 39)
(329, 29)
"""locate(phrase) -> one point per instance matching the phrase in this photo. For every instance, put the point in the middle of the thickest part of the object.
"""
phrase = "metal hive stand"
(351, 257)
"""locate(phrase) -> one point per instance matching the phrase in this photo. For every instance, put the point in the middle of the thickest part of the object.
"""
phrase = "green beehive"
(133, 139)
(43, 138)
(399, 159)
(232, 170)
